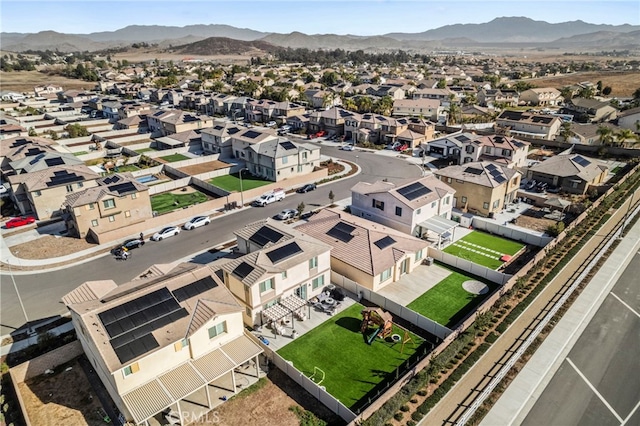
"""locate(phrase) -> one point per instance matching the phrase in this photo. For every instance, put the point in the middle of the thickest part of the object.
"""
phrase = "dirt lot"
(25, 81)
(196, 169)
(534, 219)
(622, 84)
(269, 406)
(61, 399)
(50, 246)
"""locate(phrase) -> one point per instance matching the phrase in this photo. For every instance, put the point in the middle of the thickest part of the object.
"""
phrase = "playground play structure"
(382, 322)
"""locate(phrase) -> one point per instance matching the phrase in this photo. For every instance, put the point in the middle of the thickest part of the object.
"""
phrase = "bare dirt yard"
(196, 169)
(49, 246)
(25, 81)
(622, 84)
(270, 405)
(534, 219)
(63, 398)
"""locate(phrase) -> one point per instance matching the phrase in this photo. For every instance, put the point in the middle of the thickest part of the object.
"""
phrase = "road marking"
(604, 401)
(631, 414)
(627, 306)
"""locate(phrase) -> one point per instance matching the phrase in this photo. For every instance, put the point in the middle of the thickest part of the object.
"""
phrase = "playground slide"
(373, 335)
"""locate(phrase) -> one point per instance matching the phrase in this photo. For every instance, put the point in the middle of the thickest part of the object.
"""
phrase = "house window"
(94, 222)
(37, 193)
(248, 312)
(284, 275)
(574, 184)
(469, 149)
(299, 168)
(506, 152)
(134, 196)
(433, 205)
(317, 282)
(304, 156)
(463, 200)
(418, 255)
(112, 218)
(313, 262)
(131, 369)
(398, 211)
(485, 206)
(377, 204)
(91, 206)
(218, 329)
(109, 204)
(127, 213)
(178, 346)
(80, 184)
(285, 160)
(418, 211)
(496, 203)
(69, 188)
(448, 180)
(446, 200)
(266, 285)
(385, 275)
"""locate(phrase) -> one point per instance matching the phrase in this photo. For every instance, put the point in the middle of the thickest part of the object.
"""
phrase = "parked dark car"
(133, 243)
(308, 187)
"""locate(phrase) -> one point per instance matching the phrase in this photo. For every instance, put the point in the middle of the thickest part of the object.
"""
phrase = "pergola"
(288, 306)
(440, 225)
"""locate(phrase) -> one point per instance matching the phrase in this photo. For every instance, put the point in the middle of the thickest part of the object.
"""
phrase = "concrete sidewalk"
(452, 405)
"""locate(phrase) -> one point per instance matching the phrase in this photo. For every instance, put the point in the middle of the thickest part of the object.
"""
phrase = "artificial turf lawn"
(491, 242)
(231, 183)
(447, 302)
(164, 203)
(174, 157)
(352, 368)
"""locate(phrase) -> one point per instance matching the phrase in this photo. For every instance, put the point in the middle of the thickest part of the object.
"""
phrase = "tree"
(565, 131)
(332, 197)
(606, 91)
(76, 130)
(623, 135)
(32, 132)
(606, 135)
(300, 208)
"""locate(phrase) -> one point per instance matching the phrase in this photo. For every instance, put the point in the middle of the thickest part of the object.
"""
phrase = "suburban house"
(170, 339)
(49, 89)
(185, 138)
(442, 95)
(528, 124)
(430, 109)
(542, 96)
(8, 131)
(42, 192)
(42, 161)
(218, 102)
(279, 265)
(630, 119)
(264, 110)
(275, 158)
(497, 148)
(117, 201)
(571, 173)
(482, 187)
(589, 110)
(331, 120)
(411, 207)
(176, 121)
(363, 251)
(217, 139)
(18, 148)
(498, 97)
(449, 147)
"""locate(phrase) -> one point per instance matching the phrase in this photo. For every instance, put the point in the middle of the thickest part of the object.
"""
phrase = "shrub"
(417, 416)
(398, 416)
(422, 392)
(411, 423)
(404, 408)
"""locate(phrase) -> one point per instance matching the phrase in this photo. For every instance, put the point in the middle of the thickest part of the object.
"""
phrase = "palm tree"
(623, 135)
(565, 131)
(606, 135)
(365, 104)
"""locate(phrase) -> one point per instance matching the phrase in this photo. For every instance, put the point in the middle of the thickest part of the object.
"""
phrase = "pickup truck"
(270, 197)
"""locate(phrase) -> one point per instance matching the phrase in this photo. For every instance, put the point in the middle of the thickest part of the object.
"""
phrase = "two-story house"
(364, 251)
(589, 110)
(278, 263)
(482, 188)
(176, 121)
(630, 119)
(496, 148)
(427, 108)
(117, 201)
(22, 147)
(571, 173)
(542, 96)
(498, 97)
(217, 139)
(331, 120)
(405, 207)
(449, 147)
(171, 339)
(529, 124)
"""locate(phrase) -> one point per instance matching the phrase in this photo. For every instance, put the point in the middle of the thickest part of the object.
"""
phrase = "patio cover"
(293, 303)
(167, 140)
(149, 399)
(275, 312)
(558, 203)
(438, 224)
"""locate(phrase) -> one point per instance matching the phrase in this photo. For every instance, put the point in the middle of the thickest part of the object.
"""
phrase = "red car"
(320, 134)
(401, 147)
(20, 221)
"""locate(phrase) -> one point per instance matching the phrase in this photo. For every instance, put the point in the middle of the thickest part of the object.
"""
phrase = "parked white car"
(167, 232)
(348, 147)
(270, 197)
(197, 222)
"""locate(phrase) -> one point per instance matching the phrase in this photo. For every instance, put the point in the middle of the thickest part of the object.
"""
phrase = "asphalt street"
(41, 293)
(597, 383)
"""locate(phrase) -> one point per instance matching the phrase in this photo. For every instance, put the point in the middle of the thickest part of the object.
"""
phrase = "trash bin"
(294, 334)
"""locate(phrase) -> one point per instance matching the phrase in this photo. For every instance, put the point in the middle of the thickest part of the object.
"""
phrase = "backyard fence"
(468, 266)
(510, 232)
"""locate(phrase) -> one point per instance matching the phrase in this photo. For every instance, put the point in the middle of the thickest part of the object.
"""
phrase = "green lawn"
(128, 168)
(352, 368)
(616, 169)
(447, 302)
(143, 150)
(79, 153)
(163, 203)
(174, 157)
(231, 183)
(483, 249)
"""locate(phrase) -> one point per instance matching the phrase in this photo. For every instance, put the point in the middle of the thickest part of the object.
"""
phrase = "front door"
(301, 292)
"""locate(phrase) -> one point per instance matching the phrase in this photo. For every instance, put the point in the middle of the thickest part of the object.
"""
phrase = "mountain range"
(505, 32)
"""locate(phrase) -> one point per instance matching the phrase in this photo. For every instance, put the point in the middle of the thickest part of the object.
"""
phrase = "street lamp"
(241, 194)
(24, 311)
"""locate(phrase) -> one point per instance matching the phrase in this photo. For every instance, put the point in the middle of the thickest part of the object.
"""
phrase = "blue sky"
(359, 17)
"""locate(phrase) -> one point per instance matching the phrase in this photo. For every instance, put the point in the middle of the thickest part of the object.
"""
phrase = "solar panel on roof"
(384, 242)
(462, 138)
(111, 179)
(195, 288)
(499, 179)
(251, 134)
(62, 179)
(341, 231)
(491, 167)
(56, 161)
(284, 252)
(495, 172)
(473, 171)
(233, 130)
(287, 145)
(242, 270)
(581, 161)
(414, 191)
(123, 188)
(265, 235)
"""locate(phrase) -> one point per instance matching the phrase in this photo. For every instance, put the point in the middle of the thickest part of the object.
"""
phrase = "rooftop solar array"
(195, 288)
(500, 179)
(111, 179)
(473, 171)
(63, 177)
(287, 145)
(123, 188)
(284, 252)
(581, 161)
(32, 151)
(414, 191)
(130, 325)
(491, 167)
(55, 161)
(462, 138)
(233, 130)
(341, 231)
(384, 242)
(242, 270)
(251, 134)
(265, 235)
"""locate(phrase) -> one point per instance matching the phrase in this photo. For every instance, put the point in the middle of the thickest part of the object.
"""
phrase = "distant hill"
(602, 40)
(513, 30)
(332, 41)
(224, 46)
(155, 33)
(51, 40)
